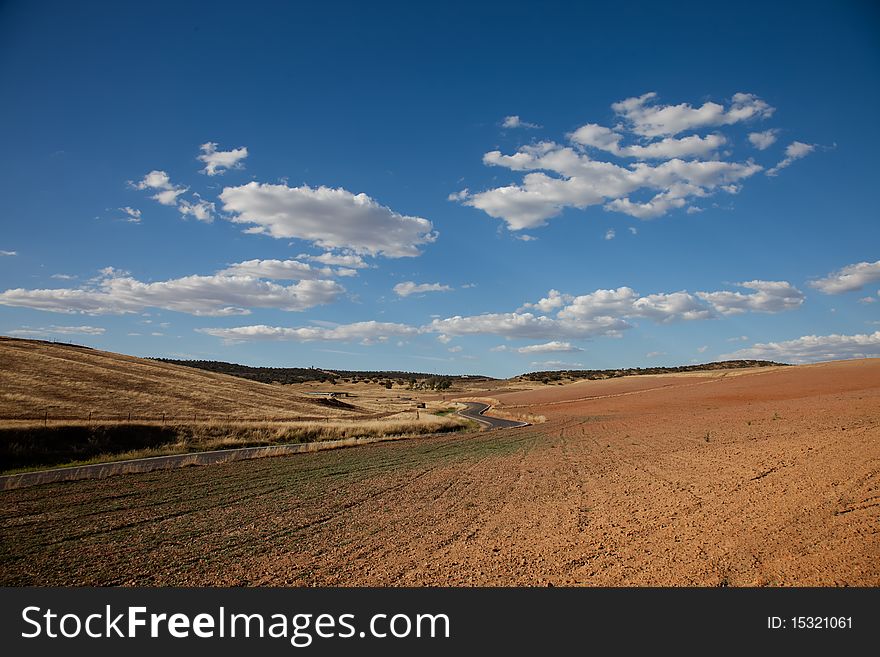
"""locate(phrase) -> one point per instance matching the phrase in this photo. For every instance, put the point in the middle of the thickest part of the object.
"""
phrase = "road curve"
(474, 411)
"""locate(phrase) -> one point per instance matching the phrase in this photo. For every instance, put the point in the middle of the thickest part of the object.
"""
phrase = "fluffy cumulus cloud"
(768, 297)
(160, 182)
(8, 253)
(648, 119)
(670, 170)
(763, 140)
(329, 218)
(283, 270)
(409, 287)
(117, 293)
(794, 151)
(554, 346)
(363, 332)
(849, 279)
(59, 330)
(814, 348)
(559, 317)
(217, 162)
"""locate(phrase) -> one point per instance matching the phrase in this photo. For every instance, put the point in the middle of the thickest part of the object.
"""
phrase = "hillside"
(293, 375)
(69, 381)
(576, 375)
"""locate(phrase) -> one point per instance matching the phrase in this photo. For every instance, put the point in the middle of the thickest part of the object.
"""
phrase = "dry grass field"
(762, 478)
(67, 405)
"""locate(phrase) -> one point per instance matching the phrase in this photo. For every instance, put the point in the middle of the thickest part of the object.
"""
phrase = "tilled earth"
(768, 477)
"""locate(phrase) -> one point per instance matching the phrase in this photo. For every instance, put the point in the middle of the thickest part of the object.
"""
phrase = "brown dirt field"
(763, 478)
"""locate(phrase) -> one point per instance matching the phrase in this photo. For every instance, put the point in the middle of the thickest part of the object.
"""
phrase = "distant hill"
(288, 375)
(70, 381)
(558, 375)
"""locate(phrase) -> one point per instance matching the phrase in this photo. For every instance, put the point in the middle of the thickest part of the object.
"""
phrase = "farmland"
(760, 477)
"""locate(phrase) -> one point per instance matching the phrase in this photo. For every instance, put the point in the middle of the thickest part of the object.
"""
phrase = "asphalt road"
(474, 411)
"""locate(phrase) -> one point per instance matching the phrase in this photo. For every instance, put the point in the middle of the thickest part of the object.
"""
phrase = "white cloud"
(868, 300)
(131, 214)
(117, 293)
(363, 332)
(555, 364)
(445, 339)
(527, 325)
(218, 162)
(556, 177)
(608, 140)
(60, 330)
(409, 287)
(62, 277)
(763, 140)
(655, 354)
(794, 151)
(8, 253)
(625, 302)
(610, 234)
(812, 348)
(200, 209)
(583, 182)
(330, 218)
(739, 338)
(454, 350)
(526, 238)
(769, 297)
(516, 122)
(849, 279)
(702, 350)
(349, 260)
(281, 270)
(554, 299)
(159, 180)
(633, 230)
(649, 120)
(548, 347)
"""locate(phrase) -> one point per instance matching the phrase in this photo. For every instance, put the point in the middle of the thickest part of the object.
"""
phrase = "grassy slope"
(70, 381)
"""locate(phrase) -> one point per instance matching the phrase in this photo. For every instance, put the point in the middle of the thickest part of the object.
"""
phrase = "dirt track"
(765, 478)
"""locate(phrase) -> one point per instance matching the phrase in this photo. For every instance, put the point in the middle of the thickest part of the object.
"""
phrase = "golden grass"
(38, 377)
(30, 446)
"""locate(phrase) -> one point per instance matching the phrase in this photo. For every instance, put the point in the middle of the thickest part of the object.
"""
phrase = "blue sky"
(402, 186)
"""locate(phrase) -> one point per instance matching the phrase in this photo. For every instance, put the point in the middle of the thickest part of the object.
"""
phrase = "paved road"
(474, 411)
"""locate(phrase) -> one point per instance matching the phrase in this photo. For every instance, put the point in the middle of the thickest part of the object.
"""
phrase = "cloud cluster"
(329, 218)
(167, 193)
(669, 173)
(849, 279)
(554, 346)
(59, 330)
(768, 297)
(364, 332)
(291, 270)
(118, 293)
(218, 162)
(409, 287)
(814, 348)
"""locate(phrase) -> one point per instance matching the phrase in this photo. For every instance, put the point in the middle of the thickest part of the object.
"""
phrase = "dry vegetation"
(67, 405)
(70, 382)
